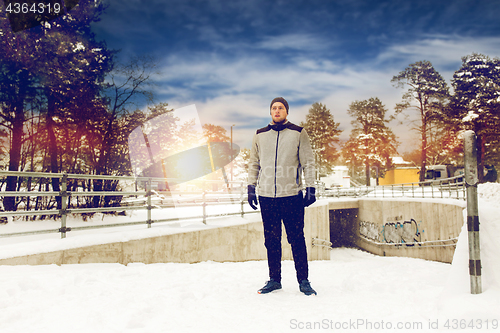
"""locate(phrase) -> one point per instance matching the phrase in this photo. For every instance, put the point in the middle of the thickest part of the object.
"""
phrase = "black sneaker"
(271, 285)
(305, 287)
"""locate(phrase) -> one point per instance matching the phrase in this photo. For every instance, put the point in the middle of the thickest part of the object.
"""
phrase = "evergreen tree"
(371, 142)
(18, 82)
(476, 104)
(72, 77)
(57, 69)
(427, 93)
(324, 134)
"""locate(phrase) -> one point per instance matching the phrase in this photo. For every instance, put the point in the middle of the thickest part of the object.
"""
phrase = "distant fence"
(194, 198)
(234, 195)
(453, 188)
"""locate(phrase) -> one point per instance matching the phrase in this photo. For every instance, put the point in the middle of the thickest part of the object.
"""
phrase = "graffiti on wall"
(395, 231)
(406, 233)
(369, 230)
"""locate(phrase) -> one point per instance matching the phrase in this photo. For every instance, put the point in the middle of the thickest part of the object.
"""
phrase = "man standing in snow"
(280, 152)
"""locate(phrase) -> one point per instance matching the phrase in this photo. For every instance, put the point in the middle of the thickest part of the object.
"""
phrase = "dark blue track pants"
(290, 210)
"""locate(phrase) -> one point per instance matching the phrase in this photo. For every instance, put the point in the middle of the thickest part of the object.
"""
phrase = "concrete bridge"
(417, 228)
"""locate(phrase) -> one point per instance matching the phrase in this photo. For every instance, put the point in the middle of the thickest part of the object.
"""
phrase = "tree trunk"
(54, 167)
(423, 167)
(480, 157)
(103, 161)
(15, 147)
(367, 172)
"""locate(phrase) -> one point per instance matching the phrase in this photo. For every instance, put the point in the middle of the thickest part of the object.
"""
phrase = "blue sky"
(232, 57)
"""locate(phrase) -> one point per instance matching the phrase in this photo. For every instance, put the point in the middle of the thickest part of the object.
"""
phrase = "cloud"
(239, 90)
(236, 90)
(443, 51)
(231, 58)
(305, 42)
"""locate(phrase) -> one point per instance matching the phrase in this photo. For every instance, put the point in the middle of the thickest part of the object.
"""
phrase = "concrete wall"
(410, 227)
(230, 243)
(389, 227)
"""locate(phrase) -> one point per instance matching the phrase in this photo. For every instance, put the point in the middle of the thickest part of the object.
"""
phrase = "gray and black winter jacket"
(279, 155)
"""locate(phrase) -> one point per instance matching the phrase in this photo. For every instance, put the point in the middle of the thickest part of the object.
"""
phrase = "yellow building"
(400, 175)
(403, 172)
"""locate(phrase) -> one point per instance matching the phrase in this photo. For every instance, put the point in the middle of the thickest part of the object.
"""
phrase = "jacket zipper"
(276, 163)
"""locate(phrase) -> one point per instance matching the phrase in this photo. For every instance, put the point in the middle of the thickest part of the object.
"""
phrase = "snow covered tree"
(427, 93)
(476, 104)
(444, 143)
(54, 69)
(371, 142)
(217, 133)
(240, 165)
(324, 133)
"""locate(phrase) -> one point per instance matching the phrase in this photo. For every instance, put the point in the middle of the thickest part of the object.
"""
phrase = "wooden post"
(204, 204)
(64, 205)
(471, 181)
(149, 192)
(242, 194)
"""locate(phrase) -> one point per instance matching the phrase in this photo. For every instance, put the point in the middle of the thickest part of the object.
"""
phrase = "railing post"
(204, 204)
(64, 205)
(471, 181)
(148, 195)
(241, 199)
(464, 190)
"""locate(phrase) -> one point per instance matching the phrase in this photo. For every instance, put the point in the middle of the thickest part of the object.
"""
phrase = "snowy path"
(215, 297)
(355, 290)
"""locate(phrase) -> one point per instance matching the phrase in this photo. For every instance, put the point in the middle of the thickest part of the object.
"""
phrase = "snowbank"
(456, 298)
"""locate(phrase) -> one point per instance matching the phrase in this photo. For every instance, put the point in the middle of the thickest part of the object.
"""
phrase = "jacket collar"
(279, 127)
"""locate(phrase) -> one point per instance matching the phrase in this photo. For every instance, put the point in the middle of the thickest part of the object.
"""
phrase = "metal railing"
(201, 198)
(453, 188)
(448, 188)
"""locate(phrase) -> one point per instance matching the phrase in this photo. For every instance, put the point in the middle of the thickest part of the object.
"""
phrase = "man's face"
(278, 112)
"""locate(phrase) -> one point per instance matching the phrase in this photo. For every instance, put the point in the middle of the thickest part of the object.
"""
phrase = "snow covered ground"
(357, 291)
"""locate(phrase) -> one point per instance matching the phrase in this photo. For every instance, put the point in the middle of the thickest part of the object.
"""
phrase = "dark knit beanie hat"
(282, 101)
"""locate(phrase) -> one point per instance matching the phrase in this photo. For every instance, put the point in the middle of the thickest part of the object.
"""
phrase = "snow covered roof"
(399, 161)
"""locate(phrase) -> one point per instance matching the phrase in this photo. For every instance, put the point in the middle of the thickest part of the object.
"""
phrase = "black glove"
(252, 197)
(310, 196)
